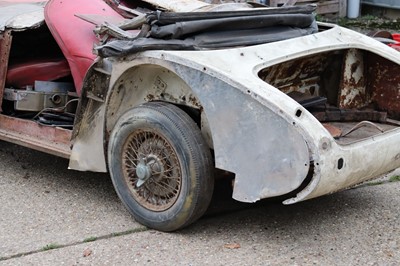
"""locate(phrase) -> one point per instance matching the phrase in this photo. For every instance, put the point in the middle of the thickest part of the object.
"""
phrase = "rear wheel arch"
(147, 83)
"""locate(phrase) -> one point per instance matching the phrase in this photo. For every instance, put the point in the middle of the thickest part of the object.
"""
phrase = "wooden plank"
(333, 7)
(275, 3)
(328, 7)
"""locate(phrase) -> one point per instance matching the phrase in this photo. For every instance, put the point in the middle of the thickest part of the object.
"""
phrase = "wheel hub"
(143, 172)
(148, 167)
(152, 170)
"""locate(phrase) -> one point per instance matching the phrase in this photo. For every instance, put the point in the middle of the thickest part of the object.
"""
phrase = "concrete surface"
(44, 203)
(53, 216)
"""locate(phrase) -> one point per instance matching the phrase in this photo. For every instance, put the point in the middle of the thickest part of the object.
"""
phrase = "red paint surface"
(396, 37)
(75, 36)
(21, 75)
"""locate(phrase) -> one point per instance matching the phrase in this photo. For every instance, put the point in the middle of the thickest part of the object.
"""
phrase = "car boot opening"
(353, 93)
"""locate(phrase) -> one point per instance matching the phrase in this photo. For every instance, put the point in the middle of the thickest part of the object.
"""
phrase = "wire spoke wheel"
(160, 165)
(151, 170)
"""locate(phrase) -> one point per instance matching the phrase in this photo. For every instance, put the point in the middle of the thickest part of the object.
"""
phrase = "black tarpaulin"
(165, 18)
(181, 29)
(214, 30)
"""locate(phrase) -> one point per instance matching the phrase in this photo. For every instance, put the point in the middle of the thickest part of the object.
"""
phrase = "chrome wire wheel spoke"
(151, 170)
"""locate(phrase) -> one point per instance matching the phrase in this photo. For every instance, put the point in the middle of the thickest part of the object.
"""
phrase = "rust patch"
(353, 86)
(384, 84)
(294, 72)
(350, 115)
(334, 131)
(306, 75)
(5, 47)
(28, 133)
(193, 101)
(150, 97)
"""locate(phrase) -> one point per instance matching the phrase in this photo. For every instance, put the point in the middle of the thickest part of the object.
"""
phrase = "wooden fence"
(328, 8)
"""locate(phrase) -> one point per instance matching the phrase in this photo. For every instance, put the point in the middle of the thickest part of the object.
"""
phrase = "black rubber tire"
(192, 153)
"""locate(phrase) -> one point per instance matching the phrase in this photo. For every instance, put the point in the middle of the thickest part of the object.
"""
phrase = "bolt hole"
(56, 99)
(298, 113)
(324, 146)
(340, 163)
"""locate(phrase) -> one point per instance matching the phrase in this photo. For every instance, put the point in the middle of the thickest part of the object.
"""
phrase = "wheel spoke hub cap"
(151, 169)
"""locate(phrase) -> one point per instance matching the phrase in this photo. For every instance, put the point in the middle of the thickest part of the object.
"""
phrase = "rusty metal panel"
(352, 88)
(300, 75)
(384, 83)
(30, 134)
(5, 47)
(88, 135)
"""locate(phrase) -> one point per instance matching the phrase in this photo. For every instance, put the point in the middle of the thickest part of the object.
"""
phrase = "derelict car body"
(266, 138)
(302, 117)
(269, 140)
